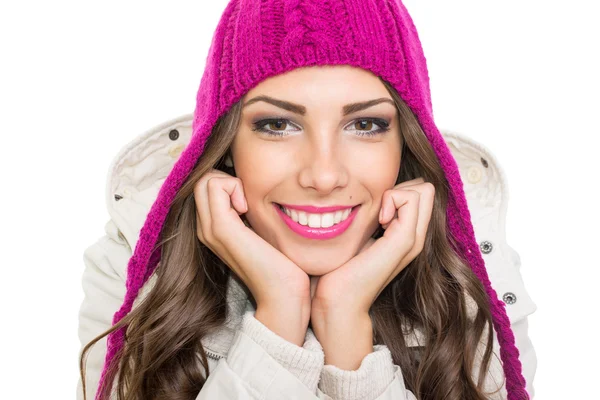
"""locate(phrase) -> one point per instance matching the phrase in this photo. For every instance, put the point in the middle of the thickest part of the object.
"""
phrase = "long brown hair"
(159, 359)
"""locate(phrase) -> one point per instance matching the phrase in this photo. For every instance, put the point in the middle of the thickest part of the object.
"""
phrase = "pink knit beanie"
(256, 39)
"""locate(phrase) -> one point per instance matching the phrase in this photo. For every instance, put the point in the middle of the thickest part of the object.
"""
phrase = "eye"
(364, 126)
(277, 123)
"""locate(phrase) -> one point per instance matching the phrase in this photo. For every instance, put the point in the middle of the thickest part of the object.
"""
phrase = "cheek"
(377, 169)
(260, 172)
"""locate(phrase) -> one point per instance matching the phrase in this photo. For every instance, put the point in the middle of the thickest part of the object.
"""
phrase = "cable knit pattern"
(304, 362)
(369, 381)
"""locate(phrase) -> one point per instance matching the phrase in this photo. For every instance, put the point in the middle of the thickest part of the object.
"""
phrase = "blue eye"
(282, 122)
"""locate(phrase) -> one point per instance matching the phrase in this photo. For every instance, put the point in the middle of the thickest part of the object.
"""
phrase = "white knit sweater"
(371, 379)
(375, 373)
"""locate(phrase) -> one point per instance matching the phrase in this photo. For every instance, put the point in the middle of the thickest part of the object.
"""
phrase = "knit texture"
(304, 362)
(372, 378)
(247, 47)
(368, 382)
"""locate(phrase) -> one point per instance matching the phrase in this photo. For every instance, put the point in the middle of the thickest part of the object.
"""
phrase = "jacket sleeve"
(510, 282)
(103, 283)
(527, 353)
(520, 325)
(495, 380)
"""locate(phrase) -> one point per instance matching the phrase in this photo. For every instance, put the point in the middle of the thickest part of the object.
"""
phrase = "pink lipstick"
(317, 233)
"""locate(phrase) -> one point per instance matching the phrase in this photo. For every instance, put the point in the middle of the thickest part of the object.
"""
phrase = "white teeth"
(324, 220)
(338, 216)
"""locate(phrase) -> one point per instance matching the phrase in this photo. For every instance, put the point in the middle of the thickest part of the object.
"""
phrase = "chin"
(313, 262)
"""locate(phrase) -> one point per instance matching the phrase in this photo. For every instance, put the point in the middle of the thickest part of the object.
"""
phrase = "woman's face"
(325, 157)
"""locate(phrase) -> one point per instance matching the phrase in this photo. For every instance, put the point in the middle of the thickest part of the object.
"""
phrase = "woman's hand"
(281, 288)
(341, 299)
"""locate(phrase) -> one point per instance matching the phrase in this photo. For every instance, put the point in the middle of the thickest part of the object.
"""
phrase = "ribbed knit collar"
(238, 303)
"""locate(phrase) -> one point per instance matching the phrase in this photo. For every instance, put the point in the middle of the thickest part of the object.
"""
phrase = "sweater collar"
(238, 304)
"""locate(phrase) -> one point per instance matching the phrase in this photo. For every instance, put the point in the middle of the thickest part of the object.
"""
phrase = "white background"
(81, 79)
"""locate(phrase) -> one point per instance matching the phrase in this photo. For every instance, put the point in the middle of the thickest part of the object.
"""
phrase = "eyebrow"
(300, 109)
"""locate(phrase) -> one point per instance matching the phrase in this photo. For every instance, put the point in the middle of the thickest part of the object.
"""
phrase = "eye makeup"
(260, 126)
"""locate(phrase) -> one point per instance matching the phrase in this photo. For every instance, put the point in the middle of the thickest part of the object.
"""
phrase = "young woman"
(313, 238)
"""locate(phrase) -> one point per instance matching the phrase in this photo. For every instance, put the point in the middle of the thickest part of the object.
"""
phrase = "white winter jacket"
(246, 359)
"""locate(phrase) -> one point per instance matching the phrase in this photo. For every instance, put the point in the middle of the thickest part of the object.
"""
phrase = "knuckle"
(239, 181)
(203, 181)
(198, 186)
(415, 194)
(212, 182)
(430, 187)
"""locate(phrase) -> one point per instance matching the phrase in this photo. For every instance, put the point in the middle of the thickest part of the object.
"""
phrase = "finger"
(426, 201)
(223, 193)
(426, 193)
(390, 204)
(217, 210)
(202, 199)
(235, 190)
(388, 210)
(202, 207)
(406, 203)
(401, 234)
(411, 182)
(414, 183)
(385, 253)
(384, 220)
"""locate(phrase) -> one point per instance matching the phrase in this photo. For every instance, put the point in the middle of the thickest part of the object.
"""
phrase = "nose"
(323, 168)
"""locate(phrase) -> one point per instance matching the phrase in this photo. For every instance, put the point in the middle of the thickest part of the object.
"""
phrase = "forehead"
(321, 86)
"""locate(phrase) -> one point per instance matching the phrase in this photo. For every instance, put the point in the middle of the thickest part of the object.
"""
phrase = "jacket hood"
(378, 36)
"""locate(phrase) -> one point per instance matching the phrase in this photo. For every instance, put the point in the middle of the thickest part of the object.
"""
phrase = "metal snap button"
(474, 174)
(486, 247)
(174, 134)
(509, 298)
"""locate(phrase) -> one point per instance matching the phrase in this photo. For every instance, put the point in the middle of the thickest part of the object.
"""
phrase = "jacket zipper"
(213, 355)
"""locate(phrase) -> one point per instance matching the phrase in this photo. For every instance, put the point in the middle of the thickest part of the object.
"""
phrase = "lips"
(317, 233)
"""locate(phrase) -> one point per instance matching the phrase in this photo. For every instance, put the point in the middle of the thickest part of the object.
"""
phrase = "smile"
(317, 226)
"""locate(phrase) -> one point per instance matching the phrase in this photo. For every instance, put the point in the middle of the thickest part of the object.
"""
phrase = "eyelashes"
(260, 126)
